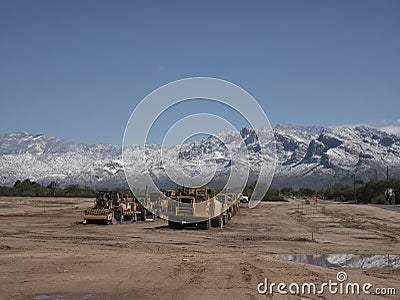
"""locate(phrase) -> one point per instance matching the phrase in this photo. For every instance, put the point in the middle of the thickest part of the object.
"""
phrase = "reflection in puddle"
(87, 296)
(92, 296)
(48, 297)
(346, 260)
(99, 296)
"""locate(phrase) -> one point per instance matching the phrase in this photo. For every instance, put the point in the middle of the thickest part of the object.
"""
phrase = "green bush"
(28, 188)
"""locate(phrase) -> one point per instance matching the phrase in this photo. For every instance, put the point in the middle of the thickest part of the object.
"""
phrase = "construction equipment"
(146, 204)
(110, 207)
(189, 211)
(201, 208)
(225, 200)
(170, 194)
(225, 207)
(190, 206)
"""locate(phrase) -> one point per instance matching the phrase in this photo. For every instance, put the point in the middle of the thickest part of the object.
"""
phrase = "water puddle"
(93, 296)
(84, 297)
(346, 260)
(48, 297)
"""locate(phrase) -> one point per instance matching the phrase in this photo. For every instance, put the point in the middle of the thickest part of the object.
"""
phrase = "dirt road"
(47, 254)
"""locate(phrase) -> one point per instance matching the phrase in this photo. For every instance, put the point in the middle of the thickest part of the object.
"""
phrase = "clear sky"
(77, 69)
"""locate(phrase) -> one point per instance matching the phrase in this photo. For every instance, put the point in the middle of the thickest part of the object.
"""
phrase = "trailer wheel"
(117, 216)
(217, 221)
(220, 221)
(174, 225)
(205, 225)
(113, 219)
(143, 215)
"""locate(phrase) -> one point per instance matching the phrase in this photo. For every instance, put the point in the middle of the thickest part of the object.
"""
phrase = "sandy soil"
(46, 252)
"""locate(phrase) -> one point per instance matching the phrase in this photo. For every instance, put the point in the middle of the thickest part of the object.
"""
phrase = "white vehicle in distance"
(243, 199)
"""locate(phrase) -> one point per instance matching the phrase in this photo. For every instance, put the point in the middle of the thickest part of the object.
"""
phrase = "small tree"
(53, 186)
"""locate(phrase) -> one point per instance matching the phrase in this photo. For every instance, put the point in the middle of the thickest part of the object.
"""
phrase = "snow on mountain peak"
(308, 156)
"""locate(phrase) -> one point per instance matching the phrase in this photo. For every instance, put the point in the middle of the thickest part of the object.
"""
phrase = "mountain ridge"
(308, 156)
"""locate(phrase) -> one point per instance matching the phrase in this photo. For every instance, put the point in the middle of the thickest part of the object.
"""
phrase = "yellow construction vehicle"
(146, 205)
(198, 207)
(189, 211)
(110, 207)
(234, 205)
(225, 201)
(170, 194)
(201, 207)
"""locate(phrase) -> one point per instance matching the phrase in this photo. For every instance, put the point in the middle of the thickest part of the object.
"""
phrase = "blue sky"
(77, 69)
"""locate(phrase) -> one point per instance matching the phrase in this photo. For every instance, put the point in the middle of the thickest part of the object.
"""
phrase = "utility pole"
(354, 187)
(388, 191)
(387, 172)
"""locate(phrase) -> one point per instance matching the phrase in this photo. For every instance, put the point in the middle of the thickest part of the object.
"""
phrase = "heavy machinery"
(225, 200)
(226, 206)
(139, 211)
(170, 194)
(198, 207)
(189, 211)
(201, 208)
(111, 207)
(146, 204)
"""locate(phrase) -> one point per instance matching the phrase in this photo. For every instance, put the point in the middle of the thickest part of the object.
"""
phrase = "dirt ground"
(47, 254)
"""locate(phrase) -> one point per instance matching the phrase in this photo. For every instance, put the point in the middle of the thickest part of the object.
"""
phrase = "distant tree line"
(272, 194)
(374, 191)
(30, 188)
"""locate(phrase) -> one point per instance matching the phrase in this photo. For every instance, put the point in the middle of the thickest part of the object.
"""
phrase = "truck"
(202, 208)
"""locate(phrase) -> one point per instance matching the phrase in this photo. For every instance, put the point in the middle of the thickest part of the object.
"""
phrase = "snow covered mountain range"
(307, 157)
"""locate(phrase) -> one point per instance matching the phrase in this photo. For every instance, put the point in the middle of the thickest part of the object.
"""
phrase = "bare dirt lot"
(47, 254)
